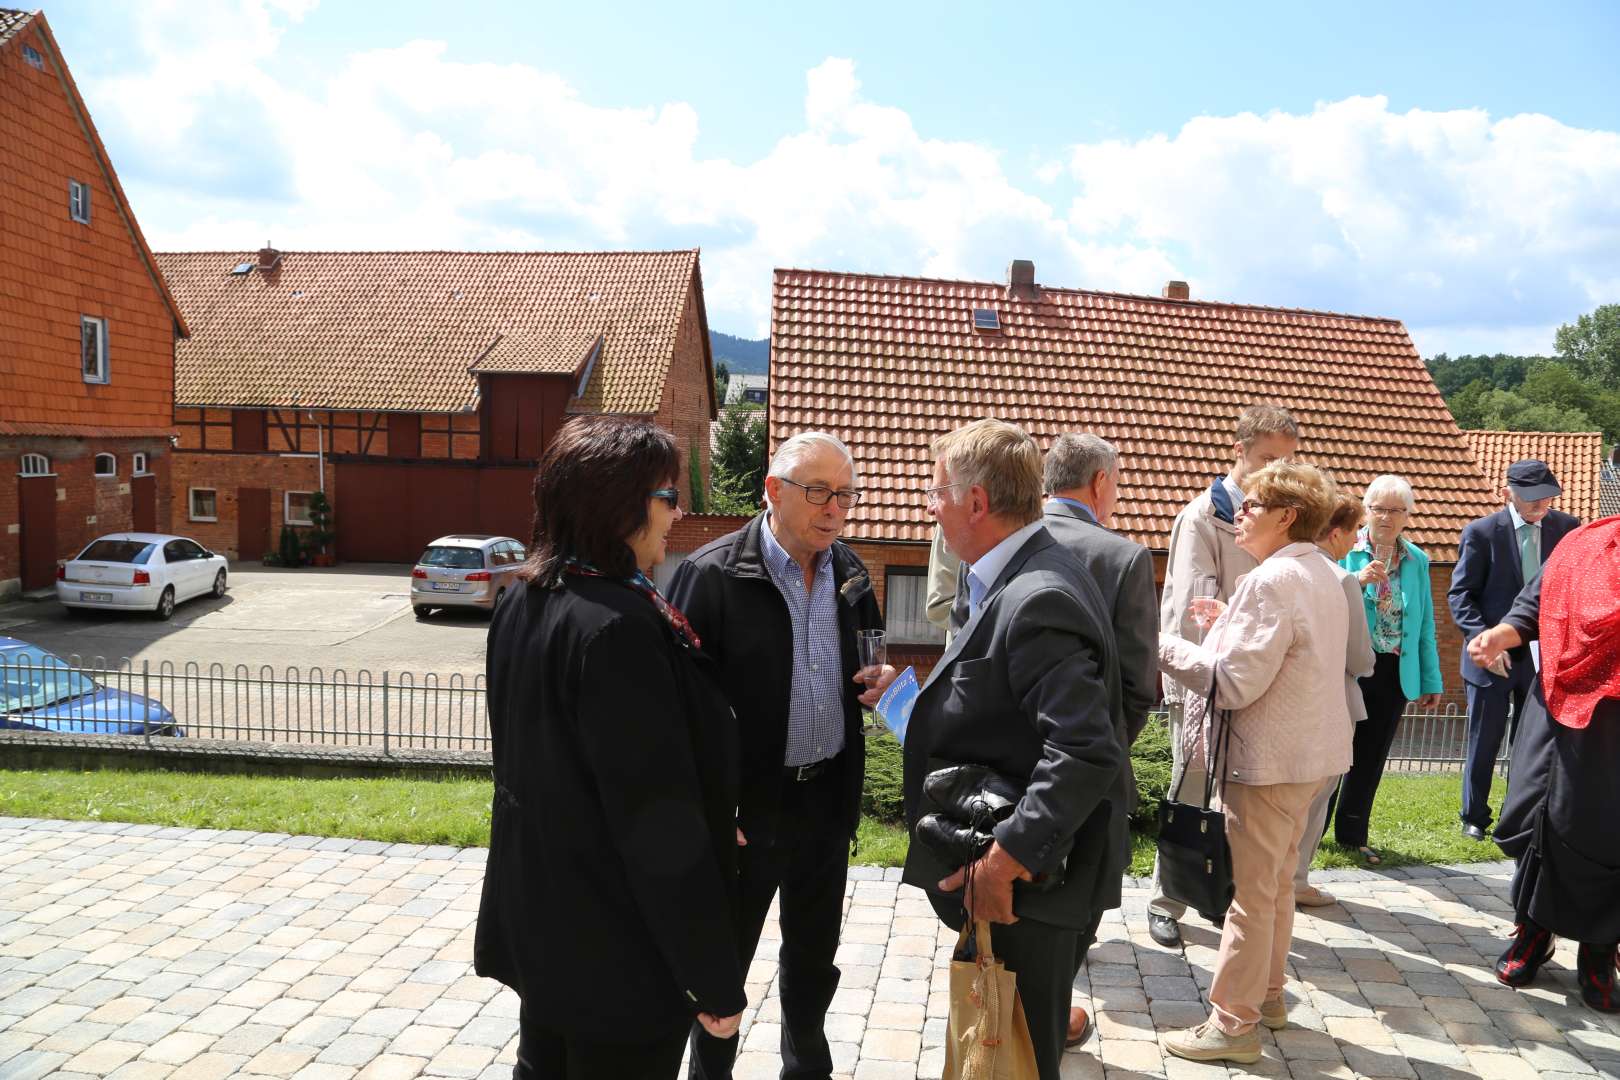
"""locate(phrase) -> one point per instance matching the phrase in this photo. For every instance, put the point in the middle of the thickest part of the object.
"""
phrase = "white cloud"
(1460, 224)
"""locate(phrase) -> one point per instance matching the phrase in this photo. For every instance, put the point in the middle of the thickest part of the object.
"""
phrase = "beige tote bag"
(988, 1038)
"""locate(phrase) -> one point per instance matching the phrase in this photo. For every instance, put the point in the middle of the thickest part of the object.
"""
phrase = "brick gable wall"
(685, 409)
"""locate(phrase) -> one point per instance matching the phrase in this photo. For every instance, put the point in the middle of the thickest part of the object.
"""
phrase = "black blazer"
(609, 901)
(1487, 579)
(1030, 687)
(726, 592)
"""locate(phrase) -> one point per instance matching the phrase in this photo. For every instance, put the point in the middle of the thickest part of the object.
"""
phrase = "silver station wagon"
(464, 570)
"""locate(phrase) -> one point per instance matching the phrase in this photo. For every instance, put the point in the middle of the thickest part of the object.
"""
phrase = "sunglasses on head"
(671, 497)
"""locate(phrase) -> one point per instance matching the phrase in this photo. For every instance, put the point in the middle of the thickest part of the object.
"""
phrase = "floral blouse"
(1388, 601)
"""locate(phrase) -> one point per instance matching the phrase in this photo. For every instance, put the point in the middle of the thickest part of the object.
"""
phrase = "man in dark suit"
(778, 603)
(1082, 481)
(1497, 555)
(1030, 688)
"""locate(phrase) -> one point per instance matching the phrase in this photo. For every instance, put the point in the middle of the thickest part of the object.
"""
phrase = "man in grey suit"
(1030, 688)
(1082, 479)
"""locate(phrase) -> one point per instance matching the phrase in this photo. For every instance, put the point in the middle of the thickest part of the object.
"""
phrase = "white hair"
(1388, 484)
(793, 452)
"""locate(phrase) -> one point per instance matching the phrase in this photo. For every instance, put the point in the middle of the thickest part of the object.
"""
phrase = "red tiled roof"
(887, 363)
(401, 331)
(94, 431)
(11, 21)
(1576, 459)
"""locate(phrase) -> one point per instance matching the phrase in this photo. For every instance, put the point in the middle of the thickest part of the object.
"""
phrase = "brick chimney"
(1021, 280)
(269, 258)
(1176, 290)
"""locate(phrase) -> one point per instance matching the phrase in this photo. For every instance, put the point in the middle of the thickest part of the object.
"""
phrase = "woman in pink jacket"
(1276, 658)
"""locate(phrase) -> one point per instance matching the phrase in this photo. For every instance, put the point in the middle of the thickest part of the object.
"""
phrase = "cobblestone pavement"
(133, 951)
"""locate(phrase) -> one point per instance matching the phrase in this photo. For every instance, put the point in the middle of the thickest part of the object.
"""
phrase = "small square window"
(93, 348)
(295, 510)
(31, 55)
(79, 201)
(35, 465)
(204, 504)
(986, 319)
(905, 613)
(138, 464)
(106, 465)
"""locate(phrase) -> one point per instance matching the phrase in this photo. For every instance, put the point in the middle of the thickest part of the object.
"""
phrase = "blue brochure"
(894, 707)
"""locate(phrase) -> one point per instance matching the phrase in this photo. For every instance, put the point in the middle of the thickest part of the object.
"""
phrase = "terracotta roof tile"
(402, 330)
(11, 21)
(1576, 459)
(1609, 491)
(888, 363)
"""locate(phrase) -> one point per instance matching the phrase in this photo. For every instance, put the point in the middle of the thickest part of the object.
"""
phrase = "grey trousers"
(1189, 779)
(1315, 824)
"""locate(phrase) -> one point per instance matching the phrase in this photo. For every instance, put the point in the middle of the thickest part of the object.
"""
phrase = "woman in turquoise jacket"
(1394, 576)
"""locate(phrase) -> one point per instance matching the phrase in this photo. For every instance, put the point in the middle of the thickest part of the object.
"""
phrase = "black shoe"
(1531, 947)
(1594, 974)
(1217, 921)
(1163, 929)
(1473, 832)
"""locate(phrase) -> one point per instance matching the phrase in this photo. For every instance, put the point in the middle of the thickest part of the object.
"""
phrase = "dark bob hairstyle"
(591, 494)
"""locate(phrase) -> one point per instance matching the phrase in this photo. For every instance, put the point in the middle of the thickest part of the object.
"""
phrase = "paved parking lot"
(136, 952)
(350, 617)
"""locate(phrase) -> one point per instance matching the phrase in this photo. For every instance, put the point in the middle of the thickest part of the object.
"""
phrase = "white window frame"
(79, 201)
(138, 464)
(901, 583)
(110, 472)
(40, 465)
(191, 504)
(286, 508)
(100, 325)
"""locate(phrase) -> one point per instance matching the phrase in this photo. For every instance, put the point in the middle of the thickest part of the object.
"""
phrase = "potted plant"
(320, 532)
(288, 551)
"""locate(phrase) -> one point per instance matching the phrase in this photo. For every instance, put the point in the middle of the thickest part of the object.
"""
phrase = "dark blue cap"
(1531, 480)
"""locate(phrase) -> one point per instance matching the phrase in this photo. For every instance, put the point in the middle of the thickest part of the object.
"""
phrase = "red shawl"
(1580, 622)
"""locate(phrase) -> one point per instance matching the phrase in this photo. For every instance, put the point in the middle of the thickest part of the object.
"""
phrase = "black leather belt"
(801, 773)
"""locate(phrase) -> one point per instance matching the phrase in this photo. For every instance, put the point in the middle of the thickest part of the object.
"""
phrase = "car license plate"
(104, 596)
(447, 586)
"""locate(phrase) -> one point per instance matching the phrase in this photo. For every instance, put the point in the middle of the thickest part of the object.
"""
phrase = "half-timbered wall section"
(426, 436)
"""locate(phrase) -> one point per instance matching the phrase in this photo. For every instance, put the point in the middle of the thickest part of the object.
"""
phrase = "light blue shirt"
(1534, 542)
(1091, 515)
(816, 700)
(983, 573)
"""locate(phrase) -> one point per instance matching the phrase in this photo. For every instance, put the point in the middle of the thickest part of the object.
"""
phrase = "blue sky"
(1451, 165)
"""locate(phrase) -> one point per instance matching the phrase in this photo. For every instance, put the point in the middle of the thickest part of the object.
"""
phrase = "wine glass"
(874, 653)
(1203, 588)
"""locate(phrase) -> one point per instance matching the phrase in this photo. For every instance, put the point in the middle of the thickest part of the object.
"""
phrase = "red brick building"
(417, 389)
(87, 327)
(888, 363)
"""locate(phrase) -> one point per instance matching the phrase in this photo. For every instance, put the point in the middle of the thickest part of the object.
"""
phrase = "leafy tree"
(1501, 372)
(738, 468)
(722, 380)
(694, 479)
(1591, 346)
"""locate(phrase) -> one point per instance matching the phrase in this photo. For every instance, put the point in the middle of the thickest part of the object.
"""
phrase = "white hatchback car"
(465, 570)
(140, 572)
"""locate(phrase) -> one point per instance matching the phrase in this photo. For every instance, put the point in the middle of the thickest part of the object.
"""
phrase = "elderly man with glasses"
(778, 603)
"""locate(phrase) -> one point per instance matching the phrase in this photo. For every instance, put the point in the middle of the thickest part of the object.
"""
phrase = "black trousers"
(1046, 960)
(546, 1054)
(1350, 808)
(1487, 723)
(808, 864)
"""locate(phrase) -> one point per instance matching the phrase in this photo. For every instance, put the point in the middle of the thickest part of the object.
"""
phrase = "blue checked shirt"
(816, 704)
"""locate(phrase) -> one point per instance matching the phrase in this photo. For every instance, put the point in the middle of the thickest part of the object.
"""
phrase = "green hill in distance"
(741, 354)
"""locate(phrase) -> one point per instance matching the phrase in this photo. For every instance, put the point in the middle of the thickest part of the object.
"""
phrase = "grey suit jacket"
(1123, 571)
(1030, 687)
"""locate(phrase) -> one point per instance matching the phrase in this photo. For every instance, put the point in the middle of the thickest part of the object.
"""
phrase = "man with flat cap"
(1497, 555)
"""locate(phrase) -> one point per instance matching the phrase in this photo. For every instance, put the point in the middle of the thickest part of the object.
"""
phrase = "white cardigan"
(1278, 655)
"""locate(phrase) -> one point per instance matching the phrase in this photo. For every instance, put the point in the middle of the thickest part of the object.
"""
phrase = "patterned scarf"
(1580, 622)
(642, 584)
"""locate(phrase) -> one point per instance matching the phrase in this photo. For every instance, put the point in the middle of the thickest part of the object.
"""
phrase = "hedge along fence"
(1150, 760)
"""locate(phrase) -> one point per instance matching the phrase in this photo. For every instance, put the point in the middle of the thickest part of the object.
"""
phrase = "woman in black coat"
(1563, 803)
(608, 903)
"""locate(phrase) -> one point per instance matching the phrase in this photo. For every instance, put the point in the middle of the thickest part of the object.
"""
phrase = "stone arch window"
(106, 465)
(35, 465)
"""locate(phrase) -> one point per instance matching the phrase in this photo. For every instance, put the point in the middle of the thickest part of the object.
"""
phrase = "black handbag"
(1195, 863)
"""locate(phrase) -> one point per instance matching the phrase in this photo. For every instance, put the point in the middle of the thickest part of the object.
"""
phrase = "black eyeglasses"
(818, 494)
(1251, 506)
(671, 496)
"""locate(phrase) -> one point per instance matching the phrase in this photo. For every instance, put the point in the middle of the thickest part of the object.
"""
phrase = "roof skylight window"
(241, 268)
(986, 319)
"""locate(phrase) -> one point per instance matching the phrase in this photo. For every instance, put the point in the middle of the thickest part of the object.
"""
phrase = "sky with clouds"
(1456, 167)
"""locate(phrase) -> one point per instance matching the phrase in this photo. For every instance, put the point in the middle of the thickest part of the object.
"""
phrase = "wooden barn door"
(252, 523)
(36, 498)
(143, 493)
